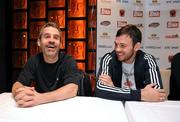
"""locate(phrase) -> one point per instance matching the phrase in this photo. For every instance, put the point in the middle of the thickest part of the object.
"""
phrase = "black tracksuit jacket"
(146, 71)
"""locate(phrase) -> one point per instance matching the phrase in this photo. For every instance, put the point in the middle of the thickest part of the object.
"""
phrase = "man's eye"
(56, 37)
(122, 46)
(46, 36)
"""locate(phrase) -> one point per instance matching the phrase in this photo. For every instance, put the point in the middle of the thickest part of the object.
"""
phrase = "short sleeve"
(71, 73)
(27, 75)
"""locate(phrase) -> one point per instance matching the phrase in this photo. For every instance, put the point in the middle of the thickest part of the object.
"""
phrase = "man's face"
(124, 48)
(50, 41)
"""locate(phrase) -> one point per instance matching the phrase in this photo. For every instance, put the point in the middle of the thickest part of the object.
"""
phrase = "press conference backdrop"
(157, 19)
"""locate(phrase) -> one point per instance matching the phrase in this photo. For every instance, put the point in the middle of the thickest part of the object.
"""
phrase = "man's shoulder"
(144, 55)
(63, 57)
(109, 55)
(177, 55)
(35, 58)
(176, 58)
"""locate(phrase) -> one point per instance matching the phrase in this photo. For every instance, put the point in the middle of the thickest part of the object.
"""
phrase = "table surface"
(167, 111)
(77, 109)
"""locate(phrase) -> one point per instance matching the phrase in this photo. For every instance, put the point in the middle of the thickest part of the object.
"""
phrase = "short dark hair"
(49, 24)
(132, 31)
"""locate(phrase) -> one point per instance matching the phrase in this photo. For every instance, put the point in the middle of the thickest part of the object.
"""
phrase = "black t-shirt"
(47, 77)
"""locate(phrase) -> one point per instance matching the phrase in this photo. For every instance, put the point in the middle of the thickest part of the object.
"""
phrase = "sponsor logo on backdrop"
(106, 1)
(105, 11)
(172, 13)
(121, 23)
(154, 2)
(153, 36)
(105, 23)
(140, 25)
(154, 24)
(175, 47)
(122, 1)
(167, 47)
(172, 1)
(153, 47)
(105, 35)
(105, 46)
(171, 47)
(138, 3)
(137, 13)
(122, 12)
(154, 13)
(172, 24)
(172, 36)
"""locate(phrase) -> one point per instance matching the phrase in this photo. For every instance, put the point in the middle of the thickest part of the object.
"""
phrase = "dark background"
(5, 45)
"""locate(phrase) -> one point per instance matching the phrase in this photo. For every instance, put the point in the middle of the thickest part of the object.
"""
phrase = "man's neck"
(50, 59)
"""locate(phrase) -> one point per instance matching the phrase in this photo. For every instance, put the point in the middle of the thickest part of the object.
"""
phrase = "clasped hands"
(26, 97)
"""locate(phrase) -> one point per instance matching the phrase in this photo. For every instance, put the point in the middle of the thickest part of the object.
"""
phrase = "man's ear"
(137, 46)
(38, 42)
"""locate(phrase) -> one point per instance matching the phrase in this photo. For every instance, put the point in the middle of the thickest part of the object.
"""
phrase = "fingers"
(152, 95)
(152, 85)
(26, 104)
(162, 96)
(104, 77)
(161, 90)
(106, 80)
(23, 95)
(19, 96)
(24, 100)
(25, 90)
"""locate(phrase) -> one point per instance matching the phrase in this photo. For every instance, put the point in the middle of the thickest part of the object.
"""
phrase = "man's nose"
(51, 39)
(119, 49)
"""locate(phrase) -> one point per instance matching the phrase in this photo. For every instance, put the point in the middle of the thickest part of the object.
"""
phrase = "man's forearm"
(65, 92)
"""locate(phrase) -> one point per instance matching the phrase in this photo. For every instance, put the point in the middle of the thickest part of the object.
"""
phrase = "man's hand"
(150, 94)
(106, 80)
(26, 97)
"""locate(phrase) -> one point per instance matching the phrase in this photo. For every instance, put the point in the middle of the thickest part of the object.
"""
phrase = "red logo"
(122, 12)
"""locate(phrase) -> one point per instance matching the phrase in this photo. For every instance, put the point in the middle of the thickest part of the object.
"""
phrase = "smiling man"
(48, 76)
(127, 73)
